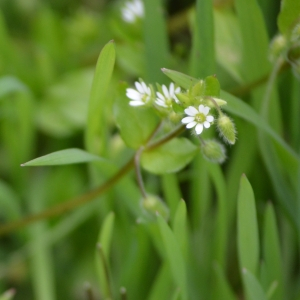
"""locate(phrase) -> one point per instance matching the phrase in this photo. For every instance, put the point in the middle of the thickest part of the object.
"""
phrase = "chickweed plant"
(167, 166)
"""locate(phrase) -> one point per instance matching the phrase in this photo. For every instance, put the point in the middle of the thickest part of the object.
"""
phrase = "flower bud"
(226, 129)
(213, 151)
(154, 205)
(277, 46)
(184, 99)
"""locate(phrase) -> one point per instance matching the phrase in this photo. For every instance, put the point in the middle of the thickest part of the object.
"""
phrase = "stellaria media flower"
(165, 98)
(197, 118)
(133, 10)
(140, 96)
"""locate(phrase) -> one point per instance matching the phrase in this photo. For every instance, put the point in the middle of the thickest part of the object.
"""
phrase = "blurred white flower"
(140, 96)
(165, 99)
(197, 118)
(133, 10)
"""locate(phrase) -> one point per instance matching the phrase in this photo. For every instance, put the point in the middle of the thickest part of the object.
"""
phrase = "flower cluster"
(192, 108)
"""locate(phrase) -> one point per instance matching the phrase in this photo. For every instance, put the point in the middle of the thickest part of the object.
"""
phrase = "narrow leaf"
(98, 98)
(254, 290)
(63, 157)
(174, 257)
(248, 241)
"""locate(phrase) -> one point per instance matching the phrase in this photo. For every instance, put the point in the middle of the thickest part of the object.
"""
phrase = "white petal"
(133, 94)
(165, 91)
(191, 125)
(191, 111)
(171, 89)
(199, 128)
(136, 103)
(160, 96)
(201, 108)
(187, 120)
(160, 103)
(206, 124)
(176, 99)
(177, 90)
(209, 118)
(145, 88)
(139, 87)
(206, 110)
(128, 16)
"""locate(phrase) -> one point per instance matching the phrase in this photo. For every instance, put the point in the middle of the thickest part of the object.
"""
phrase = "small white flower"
(133, 10)
(165, 99)
(139, 97)
(197, 118)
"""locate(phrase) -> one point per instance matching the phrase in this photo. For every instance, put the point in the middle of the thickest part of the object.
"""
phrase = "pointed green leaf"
(98, 98)
(63, 157)
(271, 250)
(181, 79)
(254, 290)
(170, 157)
(174, 257)
(135, 123)
(248, 241)
(289, 15)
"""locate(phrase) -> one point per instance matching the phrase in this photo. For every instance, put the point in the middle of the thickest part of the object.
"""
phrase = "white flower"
(139, 97)
(197, 118)
(165, 99)
(133, 10)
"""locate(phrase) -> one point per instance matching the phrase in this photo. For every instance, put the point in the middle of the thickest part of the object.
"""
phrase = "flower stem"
(138, 172)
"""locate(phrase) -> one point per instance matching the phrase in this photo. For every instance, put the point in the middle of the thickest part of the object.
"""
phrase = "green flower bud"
(153, 205)
(184, 99)
(213, 151)
(277, 46)
(226, 129)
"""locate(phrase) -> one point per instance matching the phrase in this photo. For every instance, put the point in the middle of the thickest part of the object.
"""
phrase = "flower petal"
(160, 96)
(191, 125)
(177, 90)
(206, 124)
(171, 89)
(139, 87)
(206, 110)
(201, 108)
(199, 128)
(165, 91)
(191, 111)
(133, 94)
(209, 118)
(187, 120)
(136, 103)
(145, 88)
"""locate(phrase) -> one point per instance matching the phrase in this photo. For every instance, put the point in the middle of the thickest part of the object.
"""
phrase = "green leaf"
(135, 123)
(212, 86)
(202, 62)
(180, 227)
(174, 257)
(222, 289)
(181, 79)
(170, 157)
(155, 29)
(98, 99)
(271, 250)
(104, 240)
(9, 84)
(248, 241)
(289, 15)
(254, 290)
(8, 295)
(63, 157)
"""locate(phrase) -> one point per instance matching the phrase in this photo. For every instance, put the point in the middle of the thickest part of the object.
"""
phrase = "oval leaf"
(63, 157)
(135, 123)
(170, 157)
